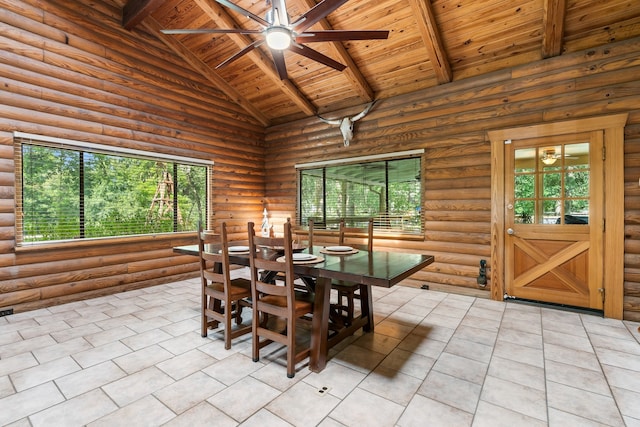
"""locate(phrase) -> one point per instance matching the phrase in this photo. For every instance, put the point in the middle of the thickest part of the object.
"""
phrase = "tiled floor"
(435, 359)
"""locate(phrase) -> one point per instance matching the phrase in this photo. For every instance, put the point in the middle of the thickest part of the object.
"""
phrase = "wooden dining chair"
(222, 298)
(349, 292)
(273, 302)
(302, 236)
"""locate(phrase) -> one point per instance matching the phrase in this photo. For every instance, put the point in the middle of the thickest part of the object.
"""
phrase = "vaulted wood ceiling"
(430, 43)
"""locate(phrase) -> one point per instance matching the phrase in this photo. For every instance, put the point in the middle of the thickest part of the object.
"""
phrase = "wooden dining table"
(375, 268)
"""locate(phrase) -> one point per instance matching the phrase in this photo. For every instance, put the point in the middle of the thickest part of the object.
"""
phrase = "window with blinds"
(387, 190)
(65, 192)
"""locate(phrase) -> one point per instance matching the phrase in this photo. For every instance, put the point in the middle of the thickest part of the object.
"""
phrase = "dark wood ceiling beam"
(553, 27)
(432, 40)
(134, 11)
(201, 67)
(352, 72)
(223, 20)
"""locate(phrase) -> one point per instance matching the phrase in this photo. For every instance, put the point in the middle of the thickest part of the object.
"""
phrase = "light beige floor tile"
(233, 368)
(8, 337)
(433, 331)
(80, 410)
(575, 376)
(186, 364)
(442, 319)
(47, 328)
(563, 419)
(202, 414)
(583, 403)
(519, 353)
(516, 372)
(264, 418)
(137, 385)
(274, 374)
(628, 401)
(189, 391)
(393, 329)
(20, 405)
(101, 354)
(141, 359)
(423, 411)
(420, 309)
(87, 379)
(302, 405)
(6, 388)
(75, 332)
(451, 391)
(487, 314)
(378, 342)
(359, 358)
(622, 378)
(478, 335)
(625, 345)
(338, 379)
(145, 339)
(472, 350)
(515, 397)
(43, 373)
(24, 346)
(182, 327)
(575, 342)
(147, 411)
(490, 325)
(422, 345)
(522, 325)
(148, 324)
(89, 318)
(489, 415)
(408, 363)
(618, 358)
(461, 367)
(109, 335)
(367, 409)
(521, 338)
(243, 398)
(9, 365)
(404, 318)
(563, 354)
(631, 422)
(65, 348)
(391, 385)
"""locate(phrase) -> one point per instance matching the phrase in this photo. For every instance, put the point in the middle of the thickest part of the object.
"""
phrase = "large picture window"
(387, 190)
(69, 193)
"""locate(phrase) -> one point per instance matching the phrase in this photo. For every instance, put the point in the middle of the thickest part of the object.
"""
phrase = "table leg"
(367, 307)
(320, 325)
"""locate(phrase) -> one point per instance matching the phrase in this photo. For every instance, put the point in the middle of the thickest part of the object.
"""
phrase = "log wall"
(450, 123)
(75, 73)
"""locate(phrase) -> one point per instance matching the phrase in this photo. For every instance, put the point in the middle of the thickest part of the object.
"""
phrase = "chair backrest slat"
(347, 233)
(213, 248)
(258, 262)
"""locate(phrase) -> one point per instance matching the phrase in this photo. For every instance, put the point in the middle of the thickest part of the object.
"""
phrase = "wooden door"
(554, 219)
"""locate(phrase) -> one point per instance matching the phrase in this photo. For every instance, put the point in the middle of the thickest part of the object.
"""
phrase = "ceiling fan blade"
(244, 12)
(279, 9)
(278, 60)
(315, 14)
(243, 52)
(210, 31)
(316, 56)
(341, 35)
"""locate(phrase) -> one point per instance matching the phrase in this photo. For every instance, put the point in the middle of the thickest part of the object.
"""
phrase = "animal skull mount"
(346, 123)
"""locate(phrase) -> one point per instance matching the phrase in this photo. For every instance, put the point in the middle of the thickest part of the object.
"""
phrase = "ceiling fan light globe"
(278, 38)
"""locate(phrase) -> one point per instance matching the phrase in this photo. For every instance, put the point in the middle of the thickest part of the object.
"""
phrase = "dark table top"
(377, 268)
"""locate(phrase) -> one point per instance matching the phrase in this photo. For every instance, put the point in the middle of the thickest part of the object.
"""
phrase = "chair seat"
(303, 302)
(238, 287)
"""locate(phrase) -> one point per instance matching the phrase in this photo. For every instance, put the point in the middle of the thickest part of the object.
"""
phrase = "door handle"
(510, 231)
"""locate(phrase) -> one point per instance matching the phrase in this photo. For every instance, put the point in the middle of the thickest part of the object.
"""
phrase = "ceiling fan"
(279, 34)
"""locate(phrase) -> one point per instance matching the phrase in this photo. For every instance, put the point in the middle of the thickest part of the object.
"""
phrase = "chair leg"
(203, 317)
(291, 348)
(255, 338)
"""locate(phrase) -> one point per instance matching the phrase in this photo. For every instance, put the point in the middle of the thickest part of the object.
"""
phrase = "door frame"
(613, 212)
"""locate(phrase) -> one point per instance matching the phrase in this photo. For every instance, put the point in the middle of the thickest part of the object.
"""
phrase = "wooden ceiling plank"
(553, 27)
(135, 11)
(352, 73)
(154, 27)
(432, 39)
(223, 20)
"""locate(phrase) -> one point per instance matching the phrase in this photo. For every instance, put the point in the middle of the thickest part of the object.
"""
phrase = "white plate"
(339, 248)
(303, 257)
(238, 248)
